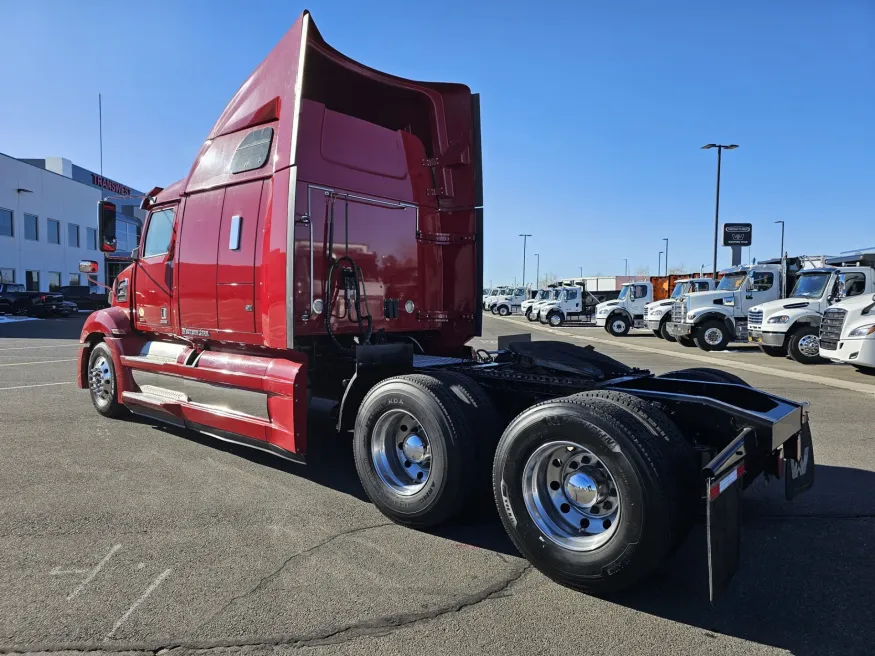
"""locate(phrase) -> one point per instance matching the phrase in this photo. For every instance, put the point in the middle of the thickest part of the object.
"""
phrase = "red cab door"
(153, 285)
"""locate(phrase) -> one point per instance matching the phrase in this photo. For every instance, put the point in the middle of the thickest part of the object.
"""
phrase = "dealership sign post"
(736, 236)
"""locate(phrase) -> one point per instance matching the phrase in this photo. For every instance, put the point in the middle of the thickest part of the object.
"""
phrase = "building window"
(6, 229)
(91, 238)
(7, 276)
(54, 229)
(74, 279)
(126, 236)
(73, 235)
(31, 281)
(54, 280)
(31, 227)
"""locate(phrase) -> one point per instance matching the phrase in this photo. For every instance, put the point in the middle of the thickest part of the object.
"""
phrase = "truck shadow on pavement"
(806, 578)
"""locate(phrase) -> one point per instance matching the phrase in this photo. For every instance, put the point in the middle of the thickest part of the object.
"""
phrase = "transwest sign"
(737, 234)
(110, 185)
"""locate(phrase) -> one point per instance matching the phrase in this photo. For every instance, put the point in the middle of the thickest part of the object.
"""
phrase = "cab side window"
(158, 233)
(640, 291)
(855, 284)
(571, 294)
(762, 281)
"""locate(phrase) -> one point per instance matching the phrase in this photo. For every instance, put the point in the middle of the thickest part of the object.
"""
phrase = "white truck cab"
(510, 301)
(568, 303)
(710, 320)
(528, 305)
(494, 294)
(791, 326)
(619, 316)
(847, 330)
(658, 313)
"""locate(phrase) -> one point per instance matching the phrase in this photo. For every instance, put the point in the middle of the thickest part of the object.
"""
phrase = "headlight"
(691, 316)
(779, 319)
(602, 313)
(862, 331)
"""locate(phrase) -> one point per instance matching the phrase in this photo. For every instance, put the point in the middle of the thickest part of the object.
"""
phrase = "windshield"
(543, 294)
(732, 281)
(519, 291)
(555, 294)
(679, 289)
(624, 292)
(810, 285)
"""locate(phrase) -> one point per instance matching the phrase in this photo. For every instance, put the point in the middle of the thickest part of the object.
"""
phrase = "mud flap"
(723, 529)
(799, 463)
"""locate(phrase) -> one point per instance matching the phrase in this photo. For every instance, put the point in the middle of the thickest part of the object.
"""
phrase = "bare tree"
(642, 271)
(678, 268)
(549, 278)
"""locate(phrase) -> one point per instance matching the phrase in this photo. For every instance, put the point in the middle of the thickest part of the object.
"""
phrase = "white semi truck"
(567, 303)
(529, 308)
(711, 320)
(627, 311)
(494, 294)
(657, 314)
(791, 326)
(847, 330)
(510, 301)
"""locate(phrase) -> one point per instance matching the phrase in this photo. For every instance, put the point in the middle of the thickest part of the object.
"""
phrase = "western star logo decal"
(196, 332)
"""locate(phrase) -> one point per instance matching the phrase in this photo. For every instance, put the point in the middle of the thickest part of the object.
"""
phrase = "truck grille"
(831, 328)
(755, 320)
(677, 312)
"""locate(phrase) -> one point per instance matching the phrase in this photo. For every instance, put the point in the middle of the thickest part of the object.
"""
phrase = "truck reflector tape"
(721, 485)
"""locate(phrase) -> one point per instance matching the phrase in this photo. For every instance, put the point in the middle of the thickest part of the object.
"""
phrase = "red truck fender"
(113, 326)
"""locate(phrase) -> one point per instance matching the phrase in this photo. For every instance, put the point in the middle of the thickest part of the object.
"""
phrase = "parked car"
(15, 299)
(84, 298)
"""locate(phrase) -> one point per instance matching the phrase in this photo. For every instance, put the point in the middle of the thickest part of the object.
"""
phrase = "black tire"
(503, 310)
(528, 313)
(100, 364)
(643, 475)
(532, 316)
(452, 436)
(663, 331)
(554, 319)
(774, 351)
(619, 320)
(801, 341)
(657, 334)
(687, 341)
(707, 375)
(707, 328)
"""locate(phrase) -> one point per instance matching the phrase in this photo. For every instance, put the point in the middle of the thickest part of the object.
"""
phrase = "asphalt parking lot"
(123, 536)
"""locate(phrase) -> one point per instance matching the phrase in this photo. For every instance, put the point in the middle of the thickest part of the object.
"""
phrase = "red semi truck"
(328, 241)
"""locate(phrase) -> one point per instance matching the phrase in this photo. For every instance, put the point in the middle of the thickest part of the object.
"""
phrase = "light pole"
(525, 237)
(581, 271)
(665, 239)
(781, 254)
(720, 149)
(659, 266)
(537, 270)
(626, 268)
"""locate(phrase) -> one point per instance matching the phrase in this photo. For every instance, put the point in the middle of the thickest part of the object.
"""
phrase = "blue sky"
(593, 112)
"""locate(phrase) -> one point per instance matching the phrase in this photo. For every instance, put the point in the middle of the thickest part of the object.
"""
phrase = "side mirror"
(135, 254)
(88, 266)
(106, 226)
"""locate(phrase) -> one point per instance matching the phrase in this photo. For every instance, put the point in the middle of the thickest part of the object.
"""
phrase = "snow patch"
(10, 319)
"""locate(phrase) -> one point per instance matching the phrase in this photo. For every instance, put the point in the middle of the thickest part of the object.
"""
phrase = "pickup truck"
(15, 299)
(84, 298)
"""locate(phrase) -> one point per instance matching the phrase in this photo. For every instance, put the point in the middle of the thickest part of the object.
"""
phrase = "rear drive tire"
(686, 340)
(618, 325)
(804, 345)
(774, 351)
(103, 383)
(707, 375)
(712, 336)
(617, 490)
(413, 443)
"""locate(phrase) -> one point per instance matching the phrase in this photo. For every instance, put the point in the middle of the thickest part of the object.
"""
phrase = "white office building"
(48, 222)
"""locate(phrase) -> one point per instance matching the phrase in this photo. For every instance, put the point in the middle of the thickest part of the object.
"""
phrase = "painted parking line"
(790, 375)
(18, 387)
(28, 348)
(21, 364)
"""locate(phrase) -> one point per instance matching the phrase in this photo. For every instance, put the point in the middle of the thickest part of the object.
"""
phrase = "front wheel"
(577, 482)
(657, 333)
(804, 345)
(712, 336)
(618, 325)
(103, 382)
(687, 341)
(503, 310)
(532, 316)
(663, 331)
(554, 319)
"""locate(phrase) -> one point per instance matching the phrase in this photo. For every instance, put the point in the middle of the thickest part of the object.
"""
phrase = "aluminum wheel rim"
(555, 319)
(618, 326)
(100, 381)
(809, 346)
(713, 336)
(571, 496)
(401, 452)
